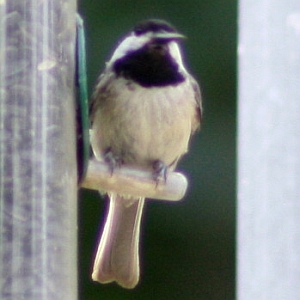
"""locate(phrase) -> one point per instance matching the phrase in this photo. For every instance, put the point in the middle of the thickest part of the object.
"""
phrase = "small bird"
(144, 109)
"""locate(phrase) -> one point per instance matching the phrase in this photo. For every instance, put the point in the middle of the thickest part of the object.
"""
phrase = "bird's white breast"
(144, 124)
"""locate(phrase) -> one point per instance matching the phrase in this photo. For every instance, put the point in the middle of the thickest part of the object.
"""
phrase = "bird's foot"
(159, 171)
(112, 160)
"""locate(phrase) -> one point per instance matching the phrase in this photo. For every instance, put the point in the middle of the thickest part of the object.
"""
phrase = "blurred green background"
(188, 248)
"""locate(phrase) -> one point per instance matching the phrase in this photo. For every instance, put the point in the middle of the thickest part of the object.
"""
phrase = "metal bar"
(269, 150)
(38, 177)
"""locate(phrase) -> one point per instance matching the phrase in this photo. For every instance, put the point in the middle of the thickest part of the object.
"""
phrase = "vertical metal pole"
(269, 150)
(38, 174)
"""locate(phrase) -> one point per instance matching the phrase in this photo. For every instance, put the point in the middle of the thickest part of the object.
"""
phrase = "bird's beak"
(168, 36)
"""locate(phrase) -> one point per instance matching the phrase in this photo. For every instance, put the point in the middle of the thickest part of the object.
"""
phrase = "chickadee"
(145, 108)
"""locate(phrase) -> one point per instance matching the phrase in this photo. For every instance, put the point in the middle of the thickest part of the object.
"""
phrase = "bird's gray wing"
(101, 92)
(198, 98)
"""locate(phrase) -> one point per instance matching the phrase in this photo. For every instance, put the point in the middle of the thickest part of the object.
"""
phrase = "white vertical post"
(38, 175)
(269, 150)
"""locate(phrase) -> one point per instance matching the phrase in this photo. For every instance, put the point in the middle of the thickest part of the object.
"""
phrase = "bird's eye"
(138, 31)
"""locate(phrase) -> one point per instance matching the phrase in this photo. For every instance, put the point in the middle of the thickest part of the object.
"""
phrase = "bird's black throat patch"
(149, 66)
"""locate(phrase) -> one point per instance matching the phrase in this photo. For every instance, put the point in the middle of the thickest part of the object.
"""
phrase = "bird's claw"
(112, 160)
(159, 171)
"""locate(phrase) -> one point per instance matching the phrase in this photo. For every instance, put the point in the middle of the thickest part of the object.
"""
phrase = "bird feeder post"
(269, 150)
(38, 172)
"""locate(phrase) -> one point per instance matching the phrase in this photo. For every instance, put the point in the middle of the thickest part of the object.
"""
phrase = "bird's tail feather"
(117, 257)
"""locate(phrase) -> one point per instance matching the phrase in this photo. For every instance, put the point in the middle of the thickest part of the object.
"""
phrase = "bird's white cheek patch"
(130, 43)
(176, 54)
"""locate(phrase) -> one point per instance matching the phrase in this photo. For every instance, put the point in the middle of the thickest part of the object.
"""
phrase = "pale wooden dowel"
(134, 182)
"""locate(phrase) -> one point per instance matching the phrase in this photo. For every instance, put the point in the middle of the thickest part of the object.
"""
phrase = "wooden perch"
(134, 182)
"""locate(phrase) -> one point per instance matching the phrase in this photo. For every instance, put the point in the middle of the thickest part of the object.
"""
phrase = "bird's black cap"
(153, 25)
